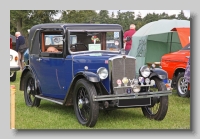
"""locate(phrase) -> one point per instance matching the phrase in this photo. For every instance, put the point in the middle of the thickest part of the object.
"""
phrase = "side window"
(51, 44)
(112, 41)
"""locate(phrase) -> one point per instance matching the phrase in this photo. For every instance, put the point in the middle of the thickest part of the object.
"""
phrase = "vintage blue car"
(79, 70)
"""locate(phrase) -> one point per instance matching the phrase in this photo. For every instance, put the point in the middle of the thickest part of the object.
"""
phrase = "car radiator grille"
(122, 67)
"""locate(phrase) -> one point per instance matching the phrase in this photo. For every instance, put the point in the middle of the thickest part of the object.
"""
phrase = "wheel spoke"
(153, 110)
(30, 90)
(82, 97)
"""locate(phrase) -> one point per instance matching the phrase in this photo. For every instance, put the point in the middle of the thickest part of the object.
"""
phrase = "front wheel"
(182, 86)
(85, 108)
(30, 91)
(159, 105)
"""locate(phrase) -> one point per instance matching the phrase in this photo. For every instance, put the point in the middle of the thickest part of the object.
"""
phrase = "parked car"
(86, 75)
(175, 64)
(112, 45)
(14, 67)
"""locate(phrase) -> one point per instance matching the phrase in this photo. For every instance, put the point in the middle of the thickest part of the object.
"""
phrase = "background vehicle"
(175, 64)
(13, 64)
(112, 45)
(87, 75)
(26, 57)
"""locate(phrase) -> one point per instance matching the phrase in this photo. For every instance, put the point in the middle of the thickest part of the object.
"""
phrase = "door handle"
(39, 59)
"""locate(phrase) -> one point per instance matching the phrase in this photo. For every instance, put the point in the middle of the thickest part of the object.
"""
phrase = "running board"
(58, 101)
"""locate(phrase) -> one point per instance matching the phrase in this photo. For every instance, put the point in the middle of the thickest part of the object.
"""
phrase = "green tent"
(155, 39)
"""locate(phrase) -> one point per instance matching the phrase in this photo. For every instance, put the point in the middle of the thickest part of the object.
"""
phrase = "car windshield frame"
(101, 44)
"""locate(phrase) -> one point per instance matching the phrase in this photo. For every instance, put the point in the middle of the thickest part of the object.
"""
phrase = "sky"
(145, 12)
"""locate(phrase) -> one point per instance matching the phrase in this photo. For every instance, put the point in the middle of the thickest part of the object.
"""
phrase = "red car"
(175, 64)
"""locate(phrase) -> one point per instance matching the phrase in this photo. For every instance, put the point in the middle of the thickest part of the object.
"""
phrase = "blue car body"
(81, 70)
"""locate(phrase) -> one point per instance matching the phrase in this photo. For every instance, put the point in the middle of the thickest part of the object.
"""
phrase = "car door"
(55, 75)
(54, 72)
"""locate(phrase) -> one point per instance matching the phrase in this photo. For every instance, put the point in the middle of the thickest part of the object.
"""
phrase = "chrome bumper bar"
(132, 95)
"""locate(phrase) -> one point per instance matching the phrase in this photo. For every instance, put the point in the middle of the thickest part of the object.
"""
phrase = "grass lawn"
(54, 116)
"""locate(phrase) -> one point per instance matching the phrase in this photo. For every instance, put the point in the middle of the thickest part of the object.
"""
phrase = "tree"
(125, 19)
(22, 20)
(17, 18)
(103, 17)
(139, 21)
(79, 16)
(181, 16)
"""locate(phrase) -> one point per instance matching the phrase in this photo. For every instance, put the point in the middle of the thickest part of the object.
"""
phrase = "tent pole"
(171, 41)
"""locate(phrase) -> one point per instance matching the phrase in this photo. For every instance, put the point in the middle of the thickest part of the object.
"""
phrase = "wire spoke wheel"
(85, 108)
(159, 105)
(83, 104)
(30, 91)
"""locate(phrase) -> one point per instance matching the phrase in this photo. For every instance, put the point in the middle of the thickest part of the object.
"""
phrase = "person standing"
(20, 41)
(128, 38)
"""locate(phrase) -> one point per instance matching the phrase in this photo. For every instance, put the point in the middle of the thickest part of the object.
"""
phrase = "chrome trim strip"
(58, 102)
(133, 85)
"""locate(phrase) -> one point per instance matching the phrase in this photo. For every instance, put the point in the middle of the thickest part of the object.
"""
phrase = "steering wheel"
(77, 44)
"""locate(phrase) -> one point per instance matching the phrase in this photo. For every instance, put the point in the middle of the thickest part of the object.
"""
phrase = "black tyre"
(85, 108)
(159, 105)
(30, 91)
(13, 78)
(182, 86)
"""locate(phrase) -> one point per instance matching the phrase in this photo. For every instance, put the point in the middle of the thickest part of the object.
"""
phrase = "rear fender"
(27, 68)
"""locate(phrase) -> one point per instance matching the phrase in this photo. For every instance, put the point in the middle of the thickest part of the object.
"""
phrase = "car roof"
(70, 26)
(75, 26)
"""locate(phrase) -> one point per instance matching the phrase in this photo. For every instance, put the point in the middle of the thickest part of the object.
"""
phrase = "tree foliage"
(22, 20)
(78, 16)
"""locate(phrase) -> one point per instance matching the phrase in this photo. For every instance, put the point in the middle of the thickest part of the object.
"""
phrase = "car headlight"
(144, 71)
(102, 72)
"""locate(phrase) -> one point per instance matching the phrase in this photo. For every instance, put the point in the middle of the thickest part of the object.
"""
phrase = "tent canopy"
(184, 35)
(157, 38)
(161, 26)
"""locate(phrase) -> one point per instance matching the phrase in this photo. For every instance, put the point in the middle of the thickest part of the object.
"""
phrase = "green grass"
(54, 116)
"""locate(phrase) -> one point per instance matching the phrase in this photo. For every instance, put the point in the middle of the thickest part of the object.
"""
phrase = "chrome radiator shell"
(120, 67)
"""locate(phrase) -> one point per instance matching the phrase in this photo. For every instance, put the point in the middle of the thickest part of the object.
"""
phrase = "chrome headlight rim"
(144, 71)
(102, 72)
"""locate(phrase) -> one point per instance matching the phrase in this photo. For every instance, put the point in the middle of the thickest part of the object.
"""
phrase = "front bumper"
(14, 68)
(132, 95)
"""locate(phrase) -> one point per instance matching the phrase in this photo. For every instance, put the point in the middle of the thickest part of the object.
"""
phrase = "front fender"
(90, 76)
(160, 73)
